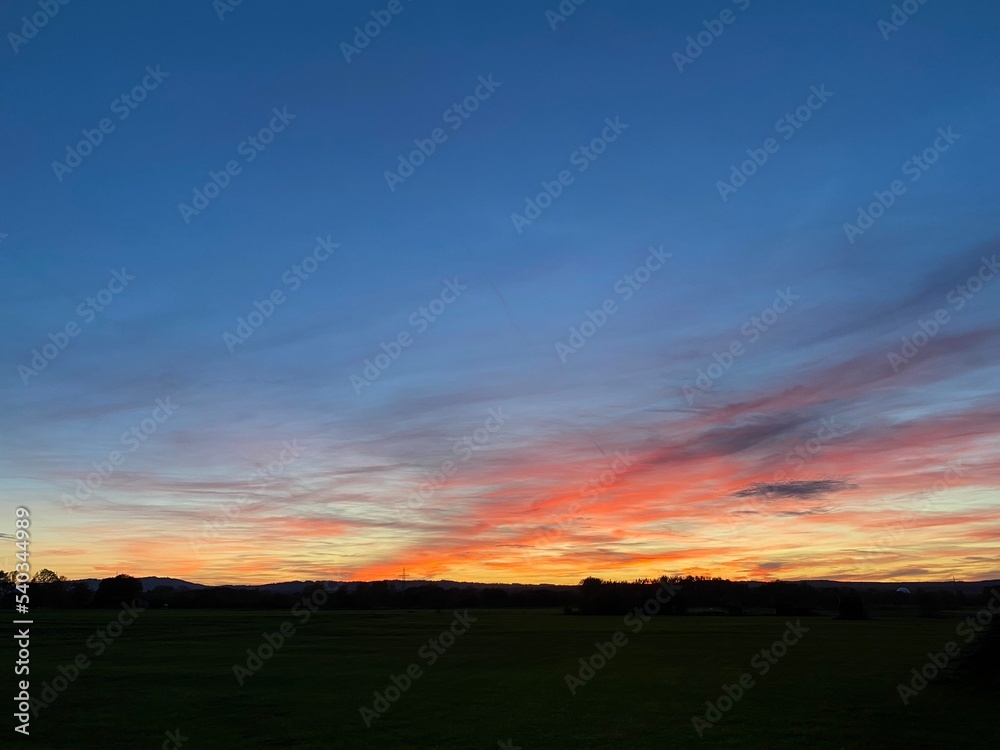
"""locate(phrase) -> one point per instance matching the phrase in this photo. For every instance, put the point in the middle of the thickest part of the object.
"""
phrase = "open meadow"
(499, 680)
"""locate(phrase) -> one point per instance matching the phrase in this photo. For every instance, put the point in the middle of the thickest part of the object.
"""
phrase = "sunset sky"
(769, 393)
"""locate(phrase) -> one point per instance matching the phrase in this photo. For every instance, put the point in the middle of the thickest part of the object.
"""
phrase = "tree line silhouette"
(593, 596)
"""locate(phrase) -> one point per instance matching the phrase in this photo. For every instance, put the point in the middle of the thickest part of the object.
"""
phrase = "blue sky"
(656, 184)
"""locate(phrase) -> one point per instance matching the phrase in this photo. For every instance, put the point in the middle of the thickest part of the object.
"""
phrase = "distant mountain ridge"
(284, 587)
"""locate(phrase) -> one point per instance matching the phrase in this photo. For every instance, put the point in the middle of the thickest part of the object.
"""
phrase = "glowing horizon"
(499, 302)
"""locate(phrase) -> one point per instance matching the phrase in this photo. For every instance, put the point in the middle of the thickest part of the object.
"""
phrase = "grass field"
(501, 680)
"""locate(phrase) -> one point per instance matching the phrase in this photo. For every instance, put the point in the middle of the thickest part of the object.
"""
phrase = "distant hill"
(151, 582)
(966, 587)
(290, 587)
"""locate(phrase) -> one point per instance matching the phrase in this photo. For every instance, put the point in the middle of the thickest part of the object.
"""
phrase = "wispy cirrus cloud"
(800, 489)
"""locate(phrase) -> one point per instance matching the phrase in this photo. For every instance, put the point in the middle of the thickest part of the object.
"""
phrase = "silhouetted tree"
(6, 587)
(111, 592)
(47, 589)
(930, 603)
(851, 606)
(494, 597)
(160, 597)
(79, 595)
(591, 589)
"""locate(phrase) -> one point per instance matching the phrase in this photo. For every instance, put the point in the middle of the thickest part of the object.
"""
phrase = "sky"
(501, 292)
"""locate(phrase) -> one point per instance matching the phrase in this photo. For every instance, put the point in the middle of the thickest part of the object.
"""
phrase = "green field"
(503, 679)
